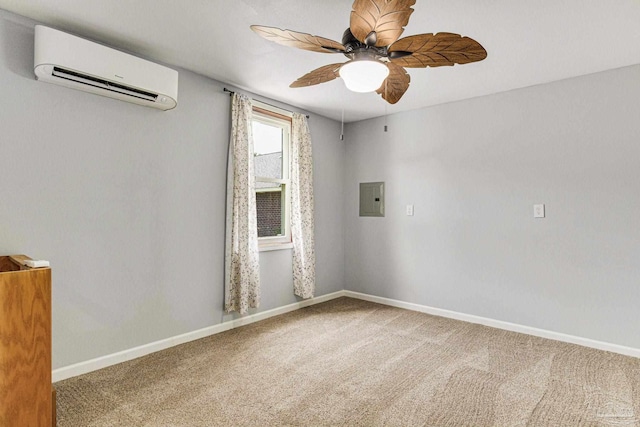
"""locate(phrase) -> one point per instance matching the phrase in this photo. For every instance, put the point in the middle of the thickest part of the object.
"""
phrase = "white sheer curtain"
(304, 257)
(242, 270)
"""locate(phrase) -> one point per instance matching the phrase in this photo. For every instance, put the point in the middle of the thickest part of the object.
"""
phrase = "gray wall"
(473, 170)
(127, 203)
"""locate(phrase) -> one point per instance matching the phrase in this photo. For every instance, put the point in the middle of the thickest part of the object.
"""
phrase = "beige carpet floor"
(354, 363)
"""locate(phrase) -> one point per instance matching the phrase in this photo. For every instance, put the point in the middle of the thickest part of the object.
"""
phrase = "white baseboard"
(543, 333)
(133, 353)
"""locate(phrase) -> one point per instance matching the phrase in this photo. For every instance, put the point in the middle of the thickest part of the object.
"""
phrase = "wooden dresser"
(26, 394)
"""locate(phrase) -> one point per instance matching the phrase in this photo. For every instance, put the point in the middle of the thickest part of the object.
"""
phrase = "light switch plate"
(409, 210)
(538, 211)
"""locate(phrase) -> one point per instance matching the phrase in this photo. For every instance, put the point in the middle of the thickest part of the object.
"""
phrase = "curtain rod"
(271, 105)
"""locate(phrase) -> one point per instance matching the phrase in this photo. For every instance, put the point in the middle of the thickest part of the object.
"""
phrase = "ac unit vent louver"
(102, 84)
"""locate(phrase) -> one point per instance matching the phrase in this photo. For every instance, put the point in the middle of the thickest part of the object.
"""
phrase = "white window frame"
(273, 116)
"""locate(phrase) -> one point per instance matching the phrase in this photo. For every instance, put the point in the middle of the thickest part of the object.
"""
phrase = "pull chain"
(342, 130)
(385, 106)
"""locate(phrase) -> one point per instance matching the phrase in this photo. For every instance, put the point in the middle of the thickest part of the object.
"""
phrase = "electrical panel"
(372, 199)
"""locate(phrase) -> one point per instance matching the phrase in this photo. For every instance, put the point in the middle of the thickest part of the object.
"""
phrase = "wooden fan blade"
(319, 75)
(396, 83)
(386, 17)
(429, 50)
(299, 40)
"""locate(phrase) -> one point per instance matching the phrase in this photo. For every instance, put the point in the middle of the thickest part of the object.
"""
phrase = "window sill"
(275, 247)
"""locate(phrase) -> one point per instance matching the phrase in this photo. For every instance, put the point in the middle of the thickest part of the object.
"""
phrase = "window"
(271, 140)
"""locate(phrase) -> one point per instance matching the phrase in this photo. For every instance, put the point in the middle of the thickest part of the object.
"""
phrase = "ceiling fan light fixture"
(364, 75)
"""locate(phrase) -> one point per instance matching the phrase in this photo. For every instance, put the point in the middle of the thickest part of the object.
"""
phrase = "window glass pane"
(269, 202)
(267, 146)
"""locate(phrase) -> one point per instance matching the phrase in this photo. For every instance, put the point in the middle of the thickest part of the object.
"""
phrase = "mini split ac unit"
(73, 62)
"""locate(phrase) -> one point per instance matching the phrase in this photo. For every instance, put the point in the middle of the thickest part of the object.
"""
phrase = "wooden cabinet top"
(10, 263)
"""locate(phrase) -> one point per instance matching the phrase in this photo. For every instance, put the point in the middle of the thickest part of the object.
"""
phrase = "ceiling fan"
(377, 59)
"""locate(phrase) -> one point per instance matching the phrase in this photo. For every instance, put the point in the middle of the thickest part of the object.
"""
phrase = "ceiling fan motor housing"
(354, 48)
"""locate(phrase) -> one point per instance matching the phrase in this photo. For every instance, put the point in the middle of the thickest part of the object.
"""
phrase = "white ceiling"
(528, 43)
